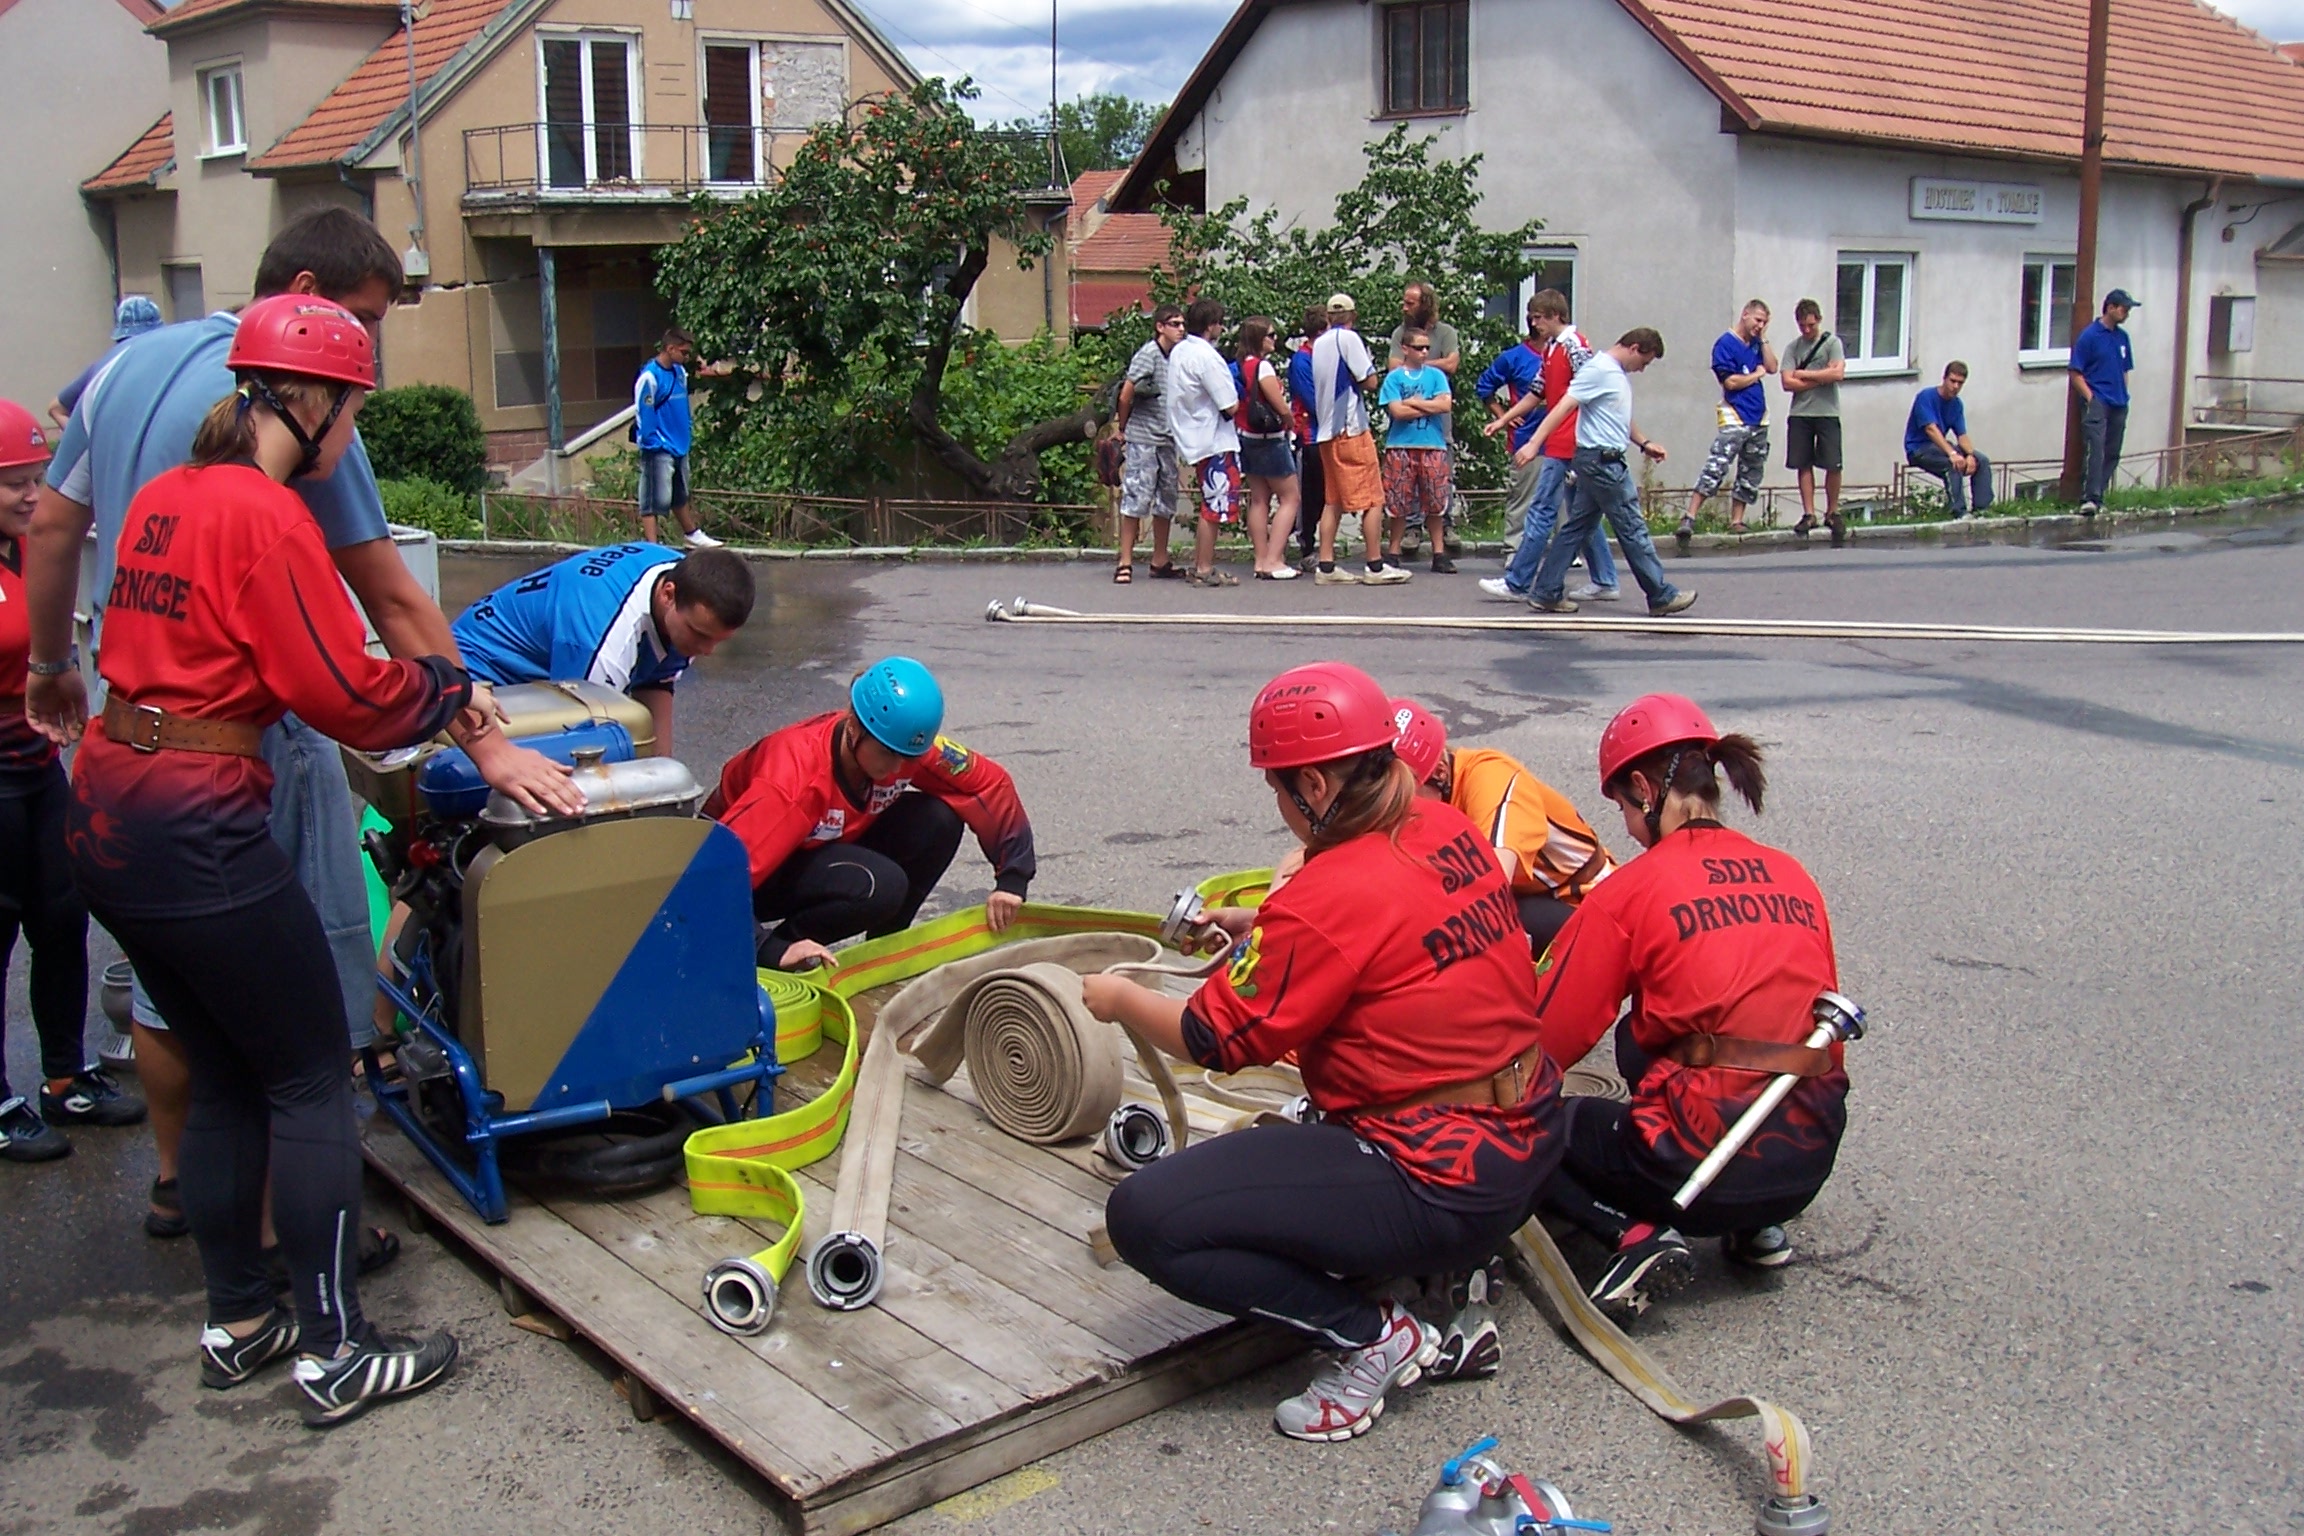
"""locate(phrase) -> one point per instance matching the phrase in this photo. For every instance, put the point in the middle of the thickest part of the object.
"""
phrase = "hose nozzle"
(1137, 1136)
(844, 1271)
(1841, 1015)
(1800, 1515)
(739, 1297)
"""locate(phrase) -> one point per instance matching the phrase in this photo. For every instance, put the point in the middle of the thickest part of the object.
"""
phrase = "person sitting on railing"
(1936, 441)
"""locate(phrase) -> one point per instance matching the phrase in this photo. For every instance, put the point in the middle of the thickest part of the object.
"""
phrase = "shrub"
(426, 432)
(416, 502)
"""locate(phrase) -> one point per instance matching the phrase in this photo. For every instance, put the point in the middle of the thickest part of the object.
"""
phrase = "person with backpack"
(1267, 458)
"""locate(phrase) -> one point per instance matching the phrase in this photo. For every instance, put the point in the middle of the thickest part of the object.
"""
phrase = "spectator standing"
(1601, 397)
(1312, 485)
(1341, 372)
(2101, 362)
(1813, 368)
(663, 428)
(1267, 459)
(1936, 441)
(1516, 374)
(1741, 361)
(1420, 308)
(1148, 477)
(135, 315)
(1417, 482)
(1565, 354)
(1201, 400)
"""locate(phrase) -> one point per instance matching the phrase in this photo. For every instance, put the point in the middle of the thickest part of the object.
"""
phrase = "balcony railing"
(620, 162)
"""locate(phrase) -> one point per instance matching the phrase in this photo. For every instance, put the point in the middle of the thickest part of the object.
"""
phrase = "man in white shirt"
(1201, 399)
(1601, 396)
(1341, 371)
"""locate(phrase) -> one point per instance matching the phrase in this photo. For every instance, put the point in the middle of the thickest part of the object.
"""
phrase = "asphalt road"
(2054, 1287)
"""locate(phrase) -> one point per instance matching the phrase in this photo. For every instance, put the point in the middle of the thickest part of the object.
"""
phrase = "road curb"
(1961, 532)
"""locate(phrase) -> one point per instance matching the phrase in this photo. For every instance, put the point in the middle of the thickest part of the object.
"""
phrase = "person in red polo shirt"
(1394, 966)
(1723, 944)
(225, 613)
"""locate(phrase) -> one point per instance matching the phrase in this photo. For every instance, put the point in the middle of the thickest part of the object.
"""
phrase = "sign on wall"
(1975, 202)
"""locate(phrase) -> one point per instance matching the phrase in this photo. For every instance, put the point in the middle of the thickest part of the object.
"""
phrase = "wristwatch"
(55, 668)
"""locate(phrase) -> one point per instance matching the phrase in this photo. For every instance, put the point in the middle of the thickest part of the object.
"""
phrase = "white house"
(1914, 172)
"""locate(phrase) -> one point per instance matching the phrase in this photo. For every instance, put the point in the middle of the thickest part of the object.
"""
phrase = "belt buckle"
(138, 715)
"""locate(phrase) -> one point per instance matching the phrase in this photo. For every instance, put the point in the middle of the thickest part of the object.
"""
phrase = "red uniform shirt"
(1709, 932)
(782, 794)
(1389, 971)
(1559, 373)
(25, 754)
(225, 606)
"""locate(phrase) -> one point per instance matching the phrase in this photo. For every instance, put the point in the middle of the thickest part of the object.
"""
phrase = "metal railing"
(2256, 455)
(2224, 399)
(621, 161)
(744, 517)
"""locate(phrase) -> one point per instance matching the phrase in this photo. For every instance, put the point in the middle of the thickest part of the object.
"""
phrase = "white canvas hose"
(1021, 611)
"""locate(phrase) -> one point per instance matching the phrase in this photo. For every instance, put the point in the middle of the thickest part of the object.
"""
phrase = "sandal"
(1738, 528)
(1800, 529)
(1122, 575)
(378, 1248)
(166, 1216)
(1217, 578)
(1165, 570)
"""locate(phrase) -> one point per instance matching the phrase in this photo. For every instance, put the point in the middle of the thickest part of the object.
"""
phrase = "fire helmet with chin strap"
(1421, 740)
(1648, 724)
(1316, 714)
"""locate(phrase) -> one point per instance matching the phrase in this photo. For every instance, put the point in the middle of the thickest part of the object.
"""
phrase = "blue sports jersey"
(660, 401)
(1519, 371)
(586, 619)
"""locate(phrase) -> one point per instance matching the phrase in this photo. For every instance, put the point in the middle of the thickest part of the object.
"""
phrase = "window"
(1427, 63)
(731, 112)
(227, 123)
(591, 110)
(2046, 333)
(1873, 312)
(1555, 268)
(187, 299)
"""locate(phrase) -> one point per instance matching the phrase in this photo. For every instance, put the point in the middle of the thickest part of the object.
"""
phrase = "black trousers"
(1605, 1190)
(1261, 1223)
(1313, 481)
(1543, 916)
(39, 901)
(871, 886)
(253, 997)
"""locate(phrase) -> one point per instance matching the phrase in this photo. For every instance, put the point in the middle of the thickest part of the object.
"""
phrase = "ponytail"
(1690, 771)
(1739, 757)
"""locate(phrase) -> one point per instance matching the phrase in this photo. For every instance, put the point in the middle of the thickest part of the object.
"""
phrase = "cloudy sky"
(1145, 48)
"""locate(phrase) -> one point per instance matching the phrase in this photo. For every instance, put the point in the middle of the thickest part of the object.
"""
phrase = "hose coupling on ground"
(844, 1271)
(739, 1296)
(1137, 1136)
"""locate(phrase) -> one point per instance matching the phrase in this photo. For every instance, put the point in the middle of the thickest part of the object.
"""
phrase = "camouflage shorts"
(1150, 480)
(1743, 450)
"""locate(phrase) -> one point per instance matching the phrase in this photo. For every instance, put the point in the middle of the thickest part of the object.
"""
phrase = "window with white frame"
(2045, 336)
(1873, 311)
(220, 99)
(590, 94)
(1555, 268)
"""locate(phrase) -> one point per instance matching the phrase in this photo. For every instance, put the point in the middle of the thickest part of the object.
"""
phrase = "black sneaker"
(1685, 532)
(93, 1099)
(1444, 566)
(1839, 527)
(26, 1138)
(1649, 1263)
(379, 1367)
(226, 1361)
(1761, 1248)
(1800, 529)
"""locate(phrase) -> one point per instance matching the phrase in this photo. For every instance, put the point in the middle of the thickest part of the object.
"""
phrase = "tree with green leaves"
(829, 303)
(1415, 214)
(1100, 131)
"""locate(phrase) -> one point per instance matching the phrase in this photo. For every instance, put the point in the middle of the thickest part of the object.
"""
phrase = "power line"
(958, 70)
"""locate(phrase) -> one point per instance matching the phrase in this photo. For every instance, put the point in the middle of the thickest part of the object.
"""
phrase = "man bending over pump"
(628, 616)
(851, 818)
(1549, 852)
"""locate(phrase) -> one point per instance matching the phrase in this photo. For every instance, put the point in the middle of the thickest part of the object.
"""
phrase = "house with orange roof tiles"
(1113, 255)
(83, 80)
(1917, 177)
(531, 156)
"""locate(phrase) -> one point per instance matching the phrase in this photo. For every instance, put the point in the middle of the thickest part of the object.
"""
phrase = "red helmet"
(1650, 722)
(1419, 738)
(301, 334)
(21, 440)
(1316, 714)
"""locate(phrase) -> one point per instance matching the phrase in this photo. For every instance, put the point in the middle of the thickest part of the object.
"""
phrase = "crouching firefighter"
(851, 818)
(1394, 966)
(1723, 945)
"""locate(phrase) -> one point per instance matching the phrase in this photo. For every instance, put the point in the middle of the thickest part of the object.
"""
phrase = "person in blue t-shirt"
(1742, 361)
(627, 616)
(662, 427)
(2101, 362)
(1936, 440)
(1418, 467)
(135, 316)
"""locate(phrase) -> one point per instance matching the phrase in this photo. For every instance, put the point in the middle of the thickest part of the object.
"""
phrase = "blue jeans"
(2103, 429)
(663, 482)
(1543, 512)
(317, 824)
(1959, 489)
(1603, 490)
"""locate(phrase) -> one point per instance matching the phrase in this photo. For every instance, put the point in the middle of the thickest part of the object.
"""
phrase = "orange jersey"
(1558, 852)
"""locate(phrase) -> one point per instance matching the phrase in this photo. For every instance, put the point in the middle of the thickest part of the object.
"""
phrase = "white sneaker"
(698, 539)
(1495, 587)
(1390, 574)
(1339, 577)
(1348, 1394)
(1283, 573)
(1592, 593)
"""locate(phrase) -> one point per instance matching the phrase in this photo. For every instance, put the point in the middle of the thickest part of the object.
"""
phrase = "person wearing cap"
(2101, 362)
(225, 612)
(1394, 967)
(37, 898)
(1342, 373)
(1550, 854)
(136, 315)
(1723, 945)
(851, 818)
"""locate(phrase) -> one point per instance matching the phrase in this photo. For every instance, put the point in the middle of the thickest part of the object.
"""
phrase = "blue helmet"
(136, 315)
(900, 704)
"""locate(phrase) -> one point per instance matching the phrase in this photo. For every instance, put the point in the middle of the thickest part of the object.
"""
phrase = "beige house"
(561, 144)
(82, 79)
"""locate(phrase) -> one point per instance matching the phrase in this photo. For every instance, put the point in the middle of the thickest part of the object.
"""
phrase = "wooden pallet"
(996, 1341)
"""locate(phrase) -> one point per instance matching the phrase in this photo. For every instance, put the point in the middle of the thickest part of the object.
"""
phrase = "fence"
(2257, 455)
(2222, 399)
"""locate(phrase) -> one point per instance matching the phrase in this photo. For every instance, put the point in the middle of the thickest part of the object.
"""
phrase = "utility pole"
(2084, 265)
(1055, 137)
